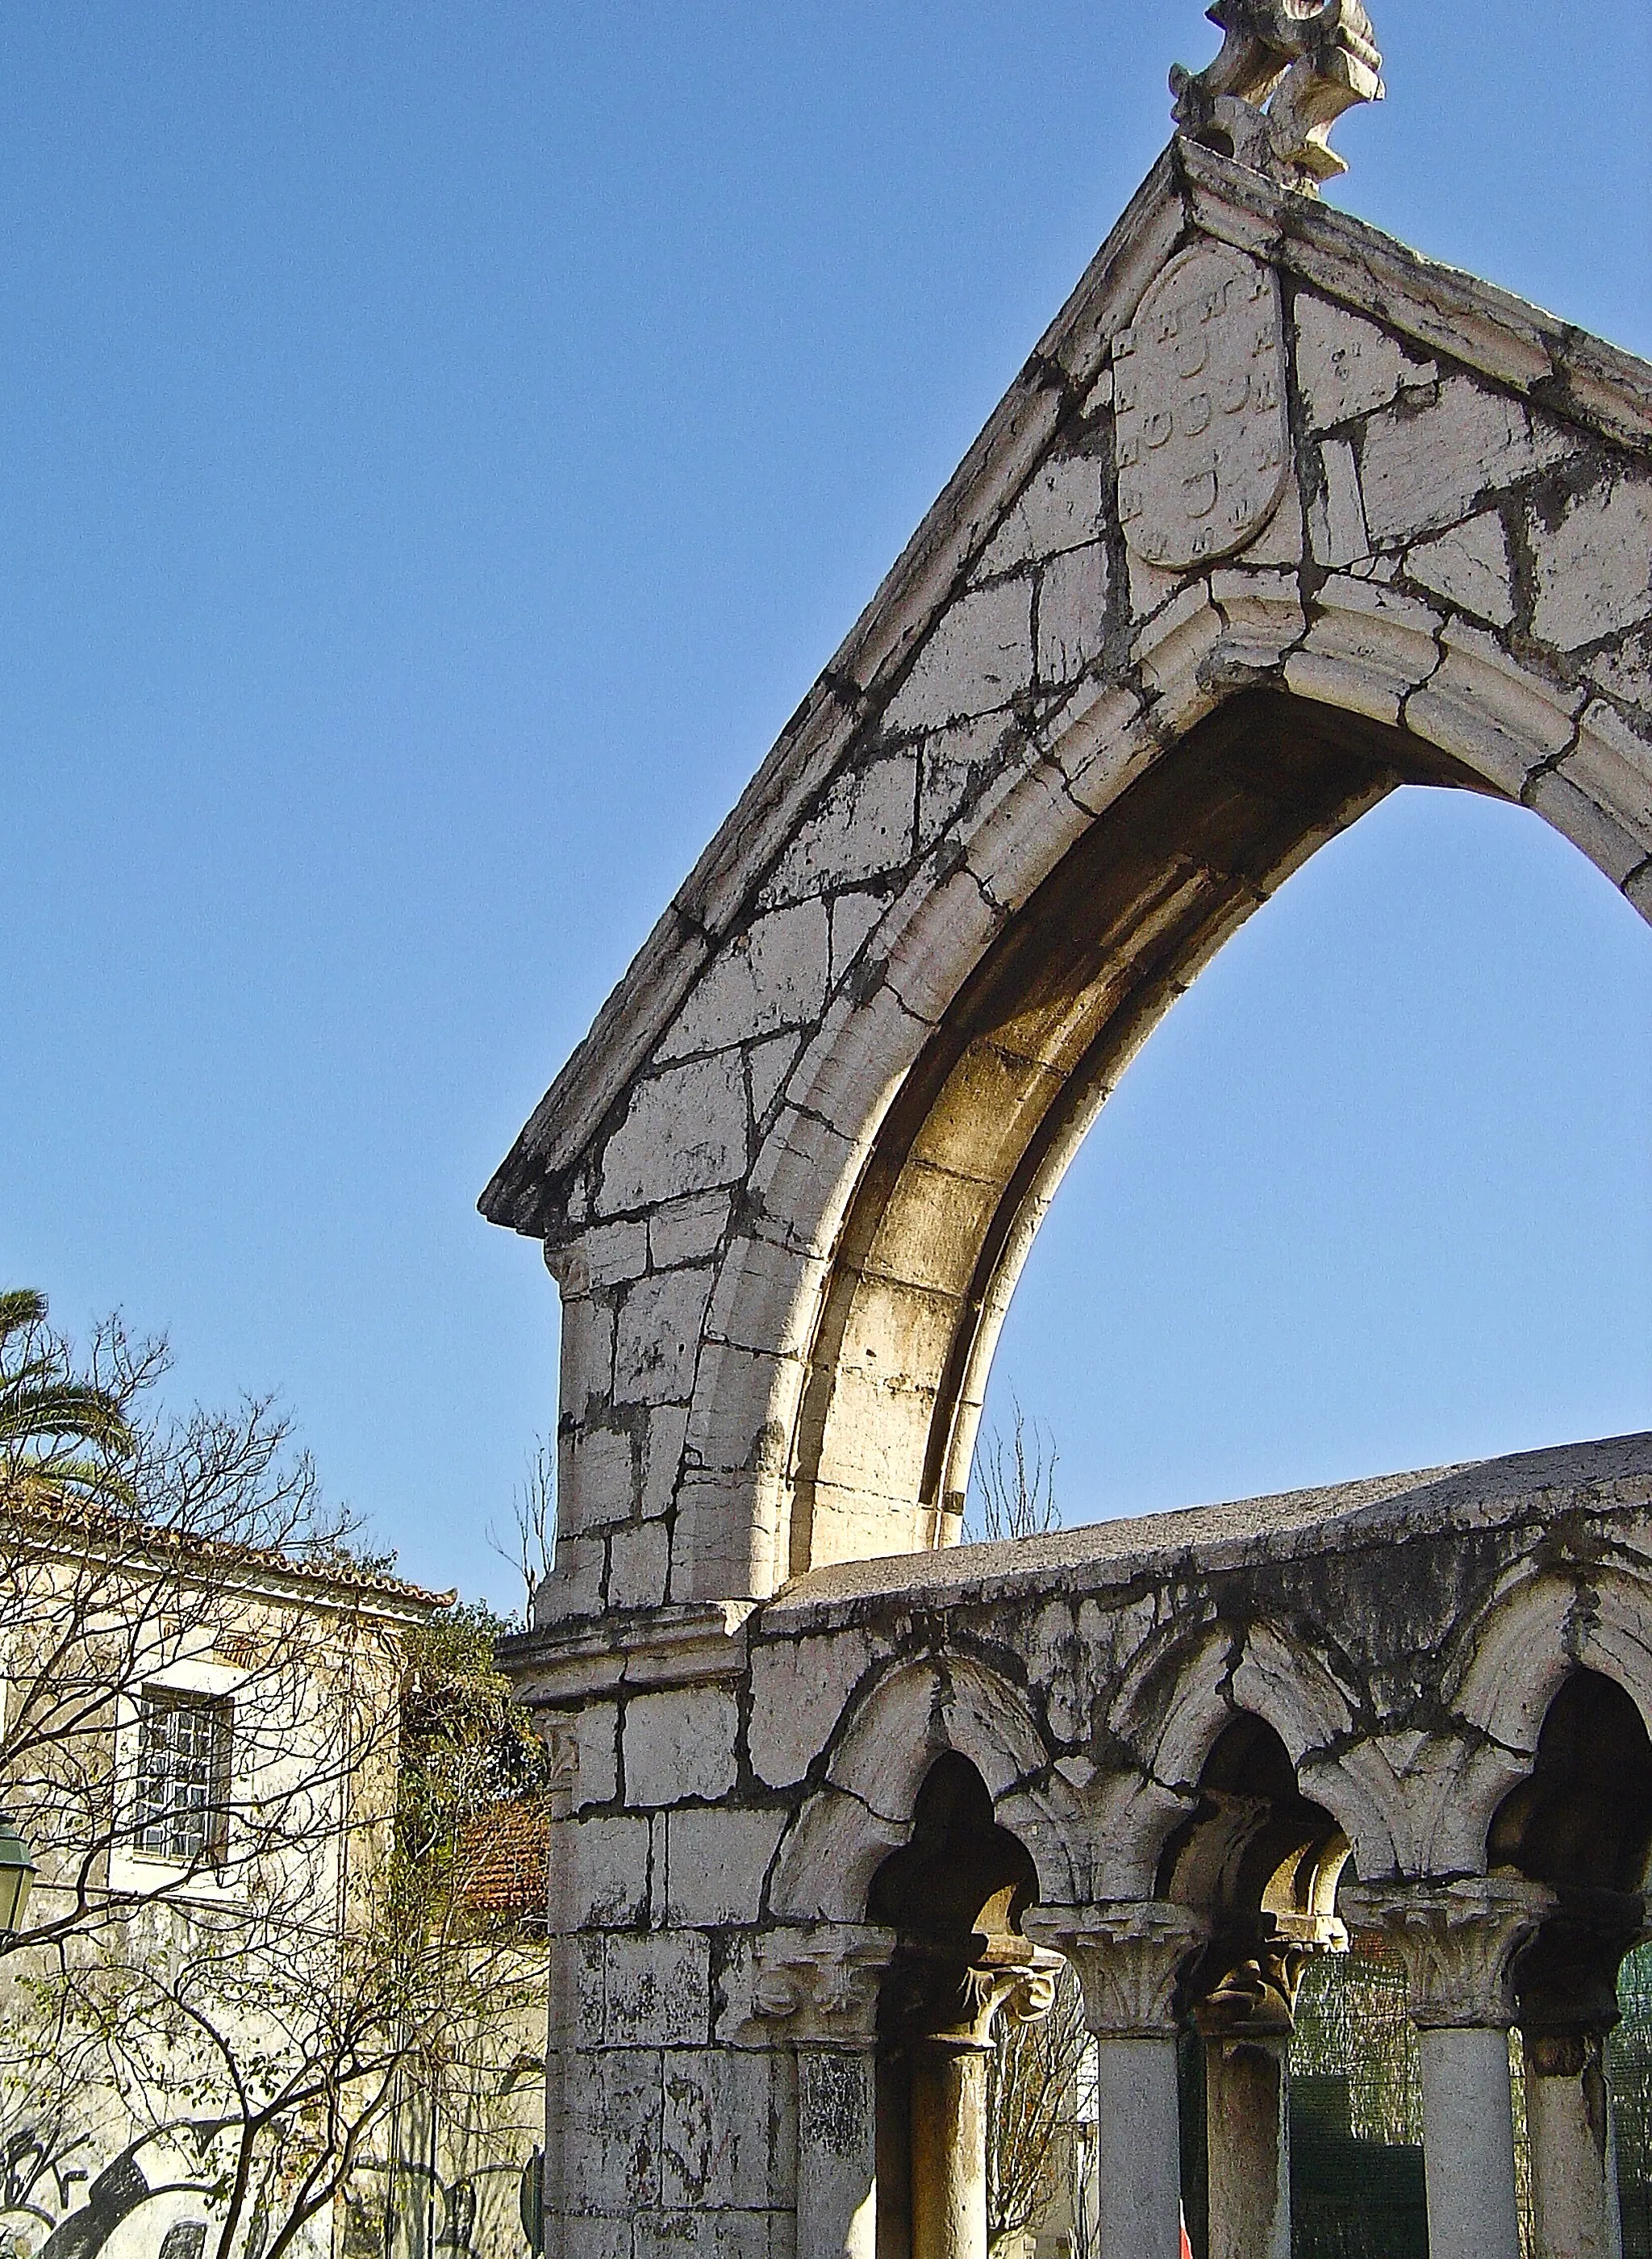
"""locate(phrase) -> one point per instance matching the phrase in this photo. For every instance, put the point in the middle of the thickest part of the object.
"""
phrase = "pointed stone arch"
(789, 1181)
(888, 1744)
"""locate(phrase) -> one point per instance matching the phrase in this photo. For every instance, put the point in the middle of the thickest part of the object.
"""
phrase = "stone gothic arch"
(789, 1182)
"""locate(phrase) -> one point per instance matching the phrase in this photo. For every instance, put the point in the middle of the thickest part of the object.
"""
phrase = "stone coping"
(1613, 1474)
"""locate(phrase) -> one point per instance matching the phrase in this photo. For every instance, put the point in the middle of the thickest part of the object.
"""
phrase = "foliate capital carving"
(1128, 1954)
(1254, 1992)
(823, 1983)
(1287, 71)
(936, 2002)
(1457, 1940)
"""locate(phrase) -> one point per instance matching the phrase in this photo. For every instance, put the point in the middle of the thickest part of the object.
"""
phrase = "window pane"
(182, 1767)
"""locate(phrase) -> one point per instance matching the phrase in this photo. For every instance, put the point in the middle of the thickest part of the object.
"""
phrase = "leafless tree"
(1013, 1483)
(250, 1991)
(1033, 2114)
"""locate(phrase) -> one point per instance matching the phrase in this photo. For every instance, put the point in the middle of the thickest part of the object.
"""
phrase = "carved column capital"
(936, 2002)
(823, 1983)
(1128, 1954)
(1457, 1940)
(1250, 1992)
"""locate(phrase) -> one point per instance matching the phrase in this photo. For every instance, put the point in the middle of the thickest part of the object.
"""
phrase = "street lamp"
(16, 1872)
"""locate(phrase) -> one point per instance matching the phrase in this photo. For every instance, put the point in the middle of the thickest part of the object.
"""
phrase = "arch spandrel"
(789, 1182)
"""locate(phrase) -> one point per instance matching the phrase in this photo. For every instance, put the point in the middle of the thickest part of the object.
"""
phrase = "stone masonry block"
(1468, 567)
(657, 1989)
(662, 1458)
(703, 2235)
(1624, 670)
(596, 1743)
(1613, 763)
(1345, 366)
(1072, 599)
(957, 762)
(656, 1338)
(684, 1131)
(772, 976)
(1425, 465)
(979, 655)
(1481, 707)
(863, 826)
(613, 1866)
(638, 1565)
(1608, 844)
(717, 2131)
(854, 916)
(767, 1065)
(602, 1487)
(1376, 637)
(612, 2108)
(716, 1857)
(1060, 508)
(679, 1744)
(686, 1230)
(1336, 521)
(1594, 570)
(799, 1688)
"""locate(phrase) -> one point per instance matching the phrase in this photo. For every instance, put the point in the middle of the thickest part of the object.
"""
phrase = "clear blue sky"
(439, 445)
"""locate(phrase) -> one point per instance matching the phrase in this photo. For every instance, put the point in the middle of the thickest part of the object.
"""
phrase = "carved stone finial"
(1287, 71)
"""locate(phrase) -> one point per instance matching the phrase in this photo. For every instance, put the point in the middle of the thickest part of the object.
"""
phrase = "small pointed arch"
(1182, 1692)
(892, 1736)
(1512, 1662)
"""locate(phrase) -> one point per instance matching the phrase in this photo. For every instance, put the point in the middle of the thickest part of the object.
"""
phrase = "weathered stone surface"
(1468, 567)
(1594, 566)
(684, 1131)
(716, 2131)
(1072, 597)
(1345, 366)
(1337, 519)
(657, 1337)
(657, 1989)
(1423, 463)
(773, 975)
(799, 1687)
(678, 1745)
(1061, 509)
(862, 829)
(716, 1860)
(977, 659)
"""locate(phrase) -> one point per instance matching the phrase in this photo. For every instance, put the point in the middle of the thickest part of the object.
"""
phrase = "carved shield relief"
(1198, 402)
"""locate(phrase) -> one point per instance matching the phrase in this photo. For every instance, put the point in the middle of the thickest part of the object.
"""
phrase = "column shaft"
(1574, 2161)
(948, 2152)
(837, 2167)
(1138, 2154)
(1468, 2136)
(1246, 2095)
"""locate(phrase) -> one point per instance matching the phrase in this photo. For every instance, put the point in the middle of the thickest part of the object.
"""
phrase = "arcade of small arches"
(1502, 1875)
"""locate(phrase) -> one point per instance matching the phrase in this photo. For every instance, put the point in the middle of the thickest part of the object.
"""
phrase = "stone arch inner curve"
(966, 1161)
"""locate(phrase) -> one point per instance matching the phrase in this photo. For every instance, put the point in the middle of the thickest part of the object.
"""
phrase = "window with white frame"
(183, 1772)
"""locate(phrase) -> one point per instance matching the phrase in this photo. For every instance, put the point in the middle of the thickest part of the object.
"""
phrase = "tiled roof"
(32, 1507)
(504, 1860)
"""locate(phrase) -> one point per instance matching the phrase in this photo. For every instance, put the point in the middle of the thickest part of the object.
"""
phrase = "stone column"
(1127, 1955)
(948, 2018)
(1246, 2020)
(824, 1984)
(1457, 1940)
(1566, 1988)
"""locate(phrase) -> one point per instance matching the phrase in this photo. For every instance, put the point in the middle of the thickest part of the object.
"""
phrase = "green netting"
(1357, 2181)
(1629, 2071)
